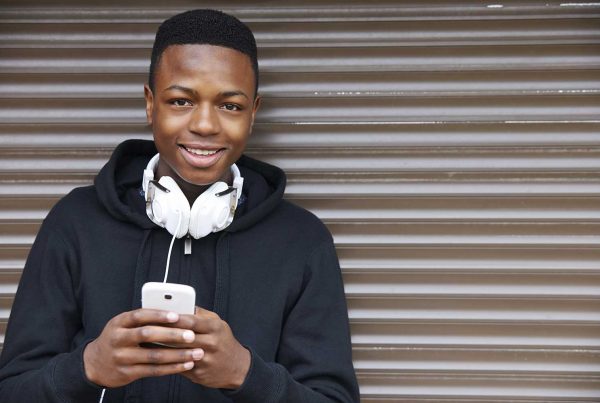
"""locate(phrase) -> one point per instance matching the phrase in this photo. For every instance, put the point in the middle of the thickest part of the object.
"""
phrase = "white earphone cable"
(164, 280)
(171, 247)
(102, 395)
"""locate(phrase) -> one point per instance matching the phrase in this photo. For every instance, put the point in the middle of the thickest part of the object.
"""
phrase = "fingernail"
(172, 317)
(188, 365)
(188, 336)
(197, 354)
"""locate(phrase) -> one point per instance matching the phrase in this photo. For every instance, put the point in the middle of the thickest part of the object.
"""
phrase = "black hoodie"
(272, 275)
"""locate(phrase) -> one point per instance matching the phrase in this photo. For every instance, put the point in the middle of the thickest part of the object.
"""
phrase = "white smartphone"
(171, 297)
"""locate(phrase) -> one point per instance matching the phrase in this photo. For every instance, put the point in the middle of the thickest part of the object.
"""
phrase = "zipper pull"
(187, 248)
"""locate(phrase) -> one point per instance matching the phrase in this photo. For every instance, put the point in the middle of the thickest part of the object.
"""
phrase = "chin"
(201, 181)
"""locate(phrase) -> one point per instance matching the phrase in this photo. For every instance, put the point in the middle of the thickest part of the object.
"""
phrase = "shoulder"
(303, 227)
(78, 201)
(77, 211)
(301, 216)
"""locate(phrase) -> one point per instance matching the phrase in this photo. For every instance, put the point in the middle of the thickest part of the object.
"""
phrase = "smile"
(201, 157)
(201, 152)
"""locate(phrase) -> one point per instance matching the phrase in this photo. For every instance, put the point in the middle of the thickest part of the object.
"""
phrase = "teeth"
(201, 152)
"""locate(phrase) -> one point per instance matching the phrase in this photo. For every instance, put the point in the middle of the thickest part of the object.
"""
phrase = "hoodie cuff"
(263, 382)
(69, 380)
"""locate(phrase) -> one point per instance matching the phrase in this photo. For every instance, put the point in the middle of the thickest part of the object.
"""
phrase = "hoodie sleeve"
(39, 361)
(314, 363)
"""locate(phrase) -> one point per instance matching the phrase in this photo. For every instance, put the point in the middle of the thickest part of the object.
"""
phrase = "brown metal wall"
(453, 149)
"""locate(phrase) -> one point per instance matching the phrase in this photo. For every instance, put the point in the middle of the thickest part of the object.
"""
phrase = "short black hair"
(204, 27)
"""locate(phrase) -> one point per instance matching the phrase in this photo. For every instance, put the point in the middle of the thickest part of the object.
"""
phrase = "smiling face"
(201, 112)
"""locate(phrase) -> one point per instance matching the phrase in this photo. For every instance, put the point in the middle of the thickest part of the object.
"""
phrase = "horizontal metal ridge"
(530, 186)
(475, 309)
(453, 208)
(444, 261)
(345, 33)
(411, 333)
(473, 386)
(324, 84)
(267, 135)
(494, 350)
(538, 108)
(379, 398)
(559, 286)
(300, 11)
(573, 362)
(332, 59)
(406, 260)
(315, 151)
(445, 292)
(333, 160)
(406, 209)
(505, 285)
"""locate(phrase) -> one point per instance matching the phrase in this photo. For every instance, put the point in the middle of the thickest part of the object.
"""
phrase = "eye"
(181, 102)
(232, 107)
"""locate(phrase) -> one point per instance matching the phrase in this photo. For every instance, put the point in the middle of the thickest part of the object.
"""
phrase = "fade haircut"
(204, 27)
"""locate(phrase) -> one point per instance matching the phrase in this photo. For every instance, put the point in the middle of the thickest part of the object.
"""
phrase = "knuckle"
(186, 320)
(136, 316)
(155, 370)
(154, 356)
(124, 372)
(198, 372)
(112, 322)
(211, 343)
(216, 325)
(118, 355)
(114, 337)
(144, 333)
(117, 319)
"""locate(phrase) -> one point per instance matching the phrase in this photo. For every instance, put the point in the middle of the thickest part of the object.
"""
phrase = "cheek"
(237, 130)
(167, 126)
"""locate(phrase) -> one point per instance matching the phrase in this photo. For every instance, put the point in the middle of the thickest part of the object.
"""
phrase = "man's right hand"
(115, 358)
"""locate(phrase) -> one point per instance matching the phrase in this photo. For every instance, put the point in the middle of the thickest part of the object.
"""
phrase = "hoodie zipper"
(184, 277)
(187, 247)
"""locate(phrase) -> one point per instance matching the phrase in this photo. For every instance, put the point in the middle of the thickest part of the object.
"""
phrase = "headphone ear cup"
(209, 212)
(171, 208)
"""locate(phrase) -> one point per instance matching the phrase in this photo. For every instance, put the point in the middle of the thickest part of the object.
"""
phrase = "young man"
(271, 323)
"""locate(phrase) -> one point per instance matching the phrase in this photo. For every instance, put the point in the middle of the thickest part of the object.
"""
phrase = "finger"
(203, 312)
(147, 370)
(141, 317)
(134, 356)
(159, 334)
(203, 321)
(207, 342)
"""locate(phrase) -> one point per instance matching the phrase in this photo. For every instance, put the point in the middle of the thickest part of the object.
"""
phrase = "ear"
(255, 108)
(149, 97)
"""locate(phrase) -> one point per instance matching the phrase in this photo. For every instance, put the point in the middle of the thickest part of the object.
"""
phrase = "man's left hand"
(226, 362)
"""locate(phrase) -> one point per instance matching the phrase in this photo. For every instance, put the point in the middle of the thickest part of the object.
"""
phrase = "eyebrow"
(225, 94)
(180, 88)
(228, 94)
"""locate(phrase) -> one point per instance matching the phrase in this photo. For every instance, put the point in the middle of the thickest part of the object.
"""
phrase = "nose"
(204, 120)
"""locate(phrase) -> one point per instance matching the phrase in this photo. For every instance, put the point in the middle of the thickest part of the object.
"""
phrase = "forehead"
(217, 63)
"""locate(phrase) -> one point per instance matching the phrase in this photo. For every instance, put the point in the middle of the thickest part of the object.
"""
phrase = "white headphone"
(167, 206)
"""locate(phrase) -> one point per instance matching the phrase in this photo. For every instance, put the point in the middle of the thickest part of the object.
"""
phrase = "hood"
(119, 182)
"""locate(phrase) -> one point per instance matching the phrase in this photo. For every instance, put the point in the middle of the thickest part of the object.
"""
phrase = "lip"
(201, 161)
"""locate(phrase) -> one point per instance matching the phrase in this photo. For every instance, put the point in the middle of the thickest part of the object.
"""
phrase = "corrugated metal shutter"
(453, 149)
